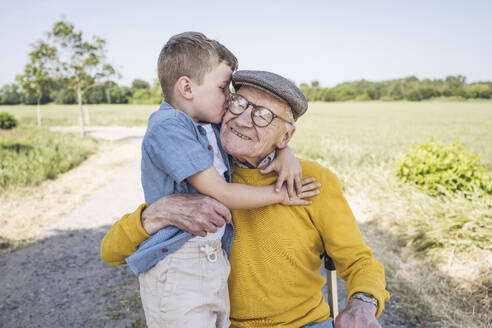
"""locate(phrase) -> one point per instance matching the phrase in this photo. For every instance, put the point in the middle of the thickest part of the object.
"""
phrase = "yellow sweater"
(275, 254)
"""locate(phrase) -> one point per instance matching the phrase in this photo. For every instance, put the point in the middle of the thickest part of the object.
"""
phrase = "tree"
(10, 95)
(140, 84)
(82, 62)
(36, 79)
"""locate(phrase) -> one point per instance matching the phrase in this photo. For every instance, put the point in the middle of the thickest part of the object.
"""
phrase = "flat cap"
(275, 85)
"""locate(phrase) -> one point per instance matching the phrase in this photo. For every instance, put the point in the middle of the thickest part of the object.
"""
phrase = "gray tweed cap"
(275, 85)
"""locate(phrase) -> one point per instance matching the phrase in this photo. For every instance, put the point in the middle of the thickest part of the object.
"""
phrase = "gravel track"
(61, 281)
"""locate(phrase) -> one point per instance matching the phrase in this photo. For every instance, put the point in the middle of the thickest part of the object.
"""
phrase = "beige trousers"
(188, 288)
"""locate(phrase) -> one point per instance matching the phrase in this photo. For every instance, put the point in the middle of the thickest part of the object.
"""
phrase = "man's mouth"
(240, 135)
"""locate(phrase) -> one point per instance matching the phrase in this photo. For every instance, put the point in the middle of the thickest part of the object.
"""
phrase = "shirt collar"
(263, 164)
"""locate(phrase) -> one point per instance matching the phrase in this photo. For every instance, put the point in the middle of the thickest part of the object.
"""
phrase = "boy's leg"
(188, 288)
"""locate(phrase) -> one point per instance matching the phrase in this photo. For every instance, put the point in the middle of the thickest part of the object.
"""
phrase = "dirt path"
(61, 281)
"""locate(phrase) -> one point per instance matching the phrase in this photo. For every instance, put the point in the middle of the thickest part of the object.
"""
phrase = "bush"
(444, 169)
(7, 121)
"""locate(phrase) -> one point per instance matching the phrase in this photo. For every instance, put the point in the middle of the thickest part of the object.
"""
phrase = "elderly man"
(275, 256)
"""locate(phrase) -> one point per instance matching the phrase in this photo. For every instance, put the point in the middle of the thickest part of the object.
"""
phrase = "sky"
(328, 41)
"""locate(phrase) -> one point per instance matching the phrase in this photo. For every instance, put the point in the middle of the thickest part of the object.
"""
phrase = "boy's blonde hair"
(190, 54)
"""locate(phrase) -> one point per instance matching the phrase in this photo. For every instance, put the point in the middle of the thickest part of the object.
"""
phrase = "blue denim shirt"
(173, 149)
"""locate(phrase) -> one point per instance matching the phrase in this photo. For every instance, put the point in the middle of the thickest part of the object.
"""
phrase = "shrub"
(7, 121)
(444, 169)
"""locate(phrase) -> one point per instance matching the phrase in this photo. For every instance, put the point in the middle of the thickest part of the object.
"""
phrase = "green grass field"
(28, 155)
(59, 115)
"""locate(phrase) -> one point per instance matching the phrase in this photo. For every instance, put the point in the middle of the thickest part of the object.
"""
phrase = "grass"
(30, 156)
(102, 115)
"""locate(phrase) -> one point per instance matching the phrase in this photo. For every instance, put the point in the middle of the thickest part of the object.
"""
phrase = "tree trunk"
(81, 116)
(86, 114)
(39, 112)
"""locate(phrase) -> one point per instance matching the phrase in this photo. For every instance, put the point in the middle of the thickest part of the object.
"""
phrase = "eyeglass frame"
(255, 108)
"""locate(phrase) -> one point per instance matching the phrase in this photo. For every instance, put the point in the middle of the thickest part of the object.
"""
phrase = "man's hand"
(357, 314)
(194, 213)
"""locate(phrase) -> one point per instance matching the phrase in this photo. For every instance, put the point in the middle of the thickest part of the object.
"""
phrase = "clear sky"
(328, 41)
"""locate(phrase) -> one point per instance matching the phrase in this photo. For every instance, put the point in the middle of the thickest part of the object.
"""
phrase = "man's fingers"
(222, 210)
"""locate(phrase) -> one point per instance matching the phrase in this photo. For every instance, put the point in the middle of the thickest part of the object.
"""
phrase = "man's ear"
(285, 138)
(183, 87)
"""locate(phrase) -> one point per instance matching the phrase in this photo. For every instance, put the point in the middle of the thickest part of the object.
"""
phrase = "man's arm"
(194, 213)
(353, 260)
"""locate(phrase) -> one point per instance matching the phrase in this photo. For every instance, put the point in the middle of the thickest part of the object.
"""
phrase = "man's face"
(210, 96)
(247, 142)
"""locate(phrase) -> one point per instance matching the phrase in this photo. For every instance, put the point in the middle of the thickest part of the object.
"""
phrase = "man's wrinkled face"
(249, 143)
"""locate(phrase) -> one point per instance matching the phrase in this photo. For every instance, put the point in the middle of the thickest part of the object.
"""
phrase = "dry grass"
(449, 283)
(447, 287)
(25, 211)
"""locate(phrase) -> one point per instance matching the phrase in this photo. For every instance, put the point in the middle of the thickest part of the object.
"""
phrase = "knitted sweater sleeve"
(123, 238)
(344, 243)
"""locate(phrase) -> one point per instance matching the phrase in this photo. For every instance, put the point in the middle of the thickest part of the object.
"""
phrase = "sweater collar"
(263, 164)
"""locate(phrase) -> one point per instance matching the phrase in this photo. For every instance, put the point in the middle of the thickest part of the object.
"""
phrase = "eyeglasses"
(260, 116)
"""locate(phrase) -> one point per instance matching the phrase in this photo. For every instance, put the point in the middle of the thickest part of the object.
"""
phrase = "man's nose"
(244, 119)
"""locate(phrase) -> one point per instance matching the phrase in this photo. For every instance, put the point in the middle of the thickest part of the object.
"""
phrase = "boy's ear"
(183, 87)
(285, 138)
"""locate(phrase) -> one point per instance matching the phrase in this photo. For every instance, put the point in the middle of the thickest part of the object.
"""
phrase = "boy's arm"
(238, 196)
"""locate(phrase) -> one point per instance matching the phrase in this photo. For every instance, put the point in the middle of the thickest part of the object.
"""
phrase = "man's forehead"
(261, 98)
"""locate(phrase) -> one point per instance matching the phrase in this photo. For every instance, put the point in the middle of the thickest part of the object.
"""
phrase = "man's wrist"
(366, 298)
(150, 222)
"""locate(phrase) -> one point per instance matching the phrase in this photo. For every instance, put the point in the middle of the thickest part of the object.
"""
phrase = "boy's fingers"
(307, 194)
(290, 188)
(298, 181)
(280, 182)
(310, 186)
(307, 180)
(301, 202)
(268, 169)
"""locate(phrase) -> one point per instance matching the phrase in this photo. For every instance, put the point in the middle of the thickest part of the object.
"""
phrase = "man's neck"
(263, 163)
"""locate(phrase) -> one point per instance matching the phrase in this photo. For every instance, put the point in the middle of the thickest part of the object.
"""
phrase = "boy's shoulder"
(167, 116)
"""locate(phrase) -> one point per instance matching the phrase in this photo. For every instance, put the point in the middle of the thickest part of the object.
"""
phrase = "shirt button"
(200, 129)
(164, 250)
(209, 147)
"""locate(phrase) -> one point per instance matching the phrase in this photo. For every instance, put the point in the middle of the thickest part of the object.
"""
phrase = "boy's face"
(210, 97)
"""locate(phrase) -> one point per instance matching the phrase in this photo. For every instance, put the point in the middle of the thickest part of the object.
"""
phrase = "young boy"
(183, 278)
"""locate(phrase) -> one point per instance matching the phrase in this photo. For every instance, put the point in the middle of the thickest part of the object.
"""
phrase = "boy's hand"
(288, 169)
(309, 189)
